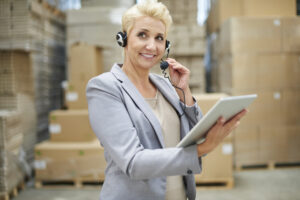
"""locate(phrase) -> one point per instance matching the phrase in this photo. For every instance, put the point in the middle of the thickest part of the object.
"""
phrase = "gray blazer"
(137, 162)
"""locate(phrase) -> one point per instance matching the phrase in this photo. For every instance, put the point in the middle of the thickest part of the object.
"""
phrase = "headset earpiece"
(121, 38)
(168, 45)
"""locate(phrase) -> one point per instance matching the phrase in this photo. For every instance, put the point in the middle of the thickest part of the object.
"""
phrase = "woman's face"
(146, 42)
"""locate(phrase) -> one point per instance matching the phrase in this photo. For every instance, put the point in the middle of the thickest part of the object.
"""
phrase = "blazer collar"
(158, 82)
(139, 100)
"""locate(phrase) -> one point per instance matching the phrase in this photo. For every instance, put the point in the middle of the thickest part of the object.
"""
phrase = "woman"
(139, 117)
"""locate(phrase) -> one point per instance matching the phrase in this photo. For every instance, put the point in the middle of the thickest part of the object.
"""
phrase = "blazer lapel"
(139, 100)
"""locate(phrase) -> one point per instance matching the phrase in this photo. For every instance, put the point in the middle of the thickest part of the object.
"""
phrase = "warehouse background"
(50, 49)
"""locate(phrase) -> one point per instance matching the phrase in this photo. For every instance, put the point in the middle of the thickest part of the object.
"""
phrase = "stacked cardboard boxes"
(32, 43)
(97, 26)
(260, 54)
(73, 152)
(85, 62)
(221, 156)
(17, 93)
(69, 161)
(11, 138)
(222, 10)
(182, 12)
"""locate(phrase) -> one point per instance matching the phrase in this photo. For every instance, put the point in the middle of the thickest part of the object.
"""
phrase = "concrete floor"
(278, 184)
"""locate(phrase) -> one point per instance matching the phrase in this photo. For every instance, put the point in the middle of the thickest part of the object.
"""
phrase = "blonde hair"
(150, 8)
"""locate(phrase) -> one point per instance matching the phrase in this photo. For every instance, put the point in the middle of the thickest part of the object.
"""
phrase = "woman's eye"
(160, 38)
(142, 35)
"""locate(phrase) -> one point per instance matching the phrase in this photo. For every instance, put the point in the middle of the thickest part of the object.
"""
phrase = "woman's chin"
(147, 65)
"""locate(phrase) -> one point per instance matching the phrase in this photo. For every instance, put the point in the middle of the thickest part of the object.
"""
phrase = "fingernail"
(222, 119)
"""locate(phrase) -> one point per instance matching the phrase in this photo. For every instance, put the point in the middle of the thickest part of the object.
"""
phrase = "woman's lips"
(147, 55)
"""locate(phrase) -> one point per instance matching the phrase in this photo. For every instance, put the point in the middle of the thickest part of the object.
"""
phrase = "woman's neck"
(137, 75)
(140, 78)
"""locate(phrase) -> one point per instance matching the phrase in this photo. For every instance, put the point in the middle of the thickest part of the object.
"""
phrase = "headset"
(121, 38)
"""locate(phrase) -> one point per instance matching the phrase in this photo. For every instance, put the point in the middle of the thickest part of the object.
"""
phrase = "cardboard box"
(293, 134)
(291, 107)
(280, 144)
(251, 35)
(273, 144)
(85, 62)
(221, 156)
(266, 144)
(70, 126)
(291, 34)
(268, 71)
(265, 110)
(246, 145)
(207, 101)
(222, 10)
(75, 96)
(278, 71)
(260, 35)
(16, 73)
(69, 161)
(237, 72)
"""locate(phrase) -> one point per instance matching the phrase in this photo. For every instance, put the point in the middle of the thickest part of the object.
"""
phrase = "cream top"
(170, 125)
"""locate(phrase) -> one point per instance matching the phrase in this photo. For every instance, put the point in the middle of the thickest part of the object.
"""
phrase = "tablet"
(226, 107)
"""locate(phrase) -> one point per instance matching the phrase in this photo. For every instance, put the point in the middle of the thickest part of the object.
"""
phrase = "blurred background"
(49, 49)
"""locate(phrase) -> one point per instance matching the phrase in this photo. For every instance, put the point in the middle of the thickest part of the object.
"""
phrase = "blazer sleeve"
(193, 113)
(111, 123)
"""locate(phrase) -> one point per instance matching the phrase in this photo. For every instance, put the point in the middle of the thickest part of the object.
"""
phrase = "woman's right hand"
(218, 132)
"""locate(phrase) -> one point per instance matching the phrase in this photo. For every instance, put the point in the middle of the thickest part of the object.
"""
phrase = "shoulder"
(104, 82)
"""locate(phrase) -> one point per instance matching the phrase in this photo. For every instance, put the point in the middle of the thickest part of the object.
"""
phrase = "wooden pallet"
(267, 166)
(214, 184)
(76, 183)
(13, 193)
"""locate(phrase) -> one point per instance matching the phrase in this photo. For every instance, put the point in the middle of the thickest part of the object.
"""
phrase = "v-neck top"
(170, 125)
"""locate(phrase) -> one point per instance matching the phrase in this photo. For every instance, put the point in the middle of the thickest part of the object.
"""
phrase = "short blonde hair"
(150, 8)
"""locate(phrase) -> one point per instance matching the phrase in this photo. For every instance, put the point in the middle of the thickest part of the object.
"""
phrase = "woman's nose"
(150, 44)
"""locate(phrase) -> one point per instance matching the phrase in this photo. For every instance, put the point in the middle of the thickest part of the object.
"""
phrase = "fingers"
(235, 121)
(219, 125)
(241, 114)
(177, 66)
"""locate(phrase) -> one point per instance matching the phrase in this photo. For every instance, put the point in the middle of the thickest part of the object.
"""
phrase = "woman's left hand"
(179, 74)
